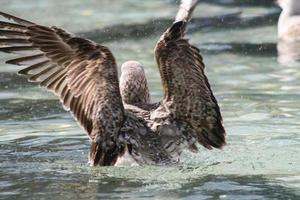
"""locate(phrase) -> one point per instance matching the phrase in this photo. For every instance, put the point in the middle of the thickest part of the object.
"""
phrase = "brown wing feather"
(187, 93)
(83, 74)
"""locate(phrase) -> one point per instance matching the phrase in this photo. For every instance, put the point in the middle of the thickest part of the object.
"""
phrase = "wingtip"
(215, 138)
(186, 10)
(11, 62)
(177, 30)
(16, 19)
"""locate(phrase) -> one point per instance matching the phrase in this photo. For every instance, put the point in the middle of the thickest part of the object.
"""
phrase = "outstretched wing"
(187, 94)
(82, 73)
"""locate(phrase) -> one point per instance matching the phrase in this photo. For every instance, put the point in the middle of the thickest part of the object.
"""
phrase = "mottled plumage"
(133, 84)
(188, 98)
(84, 76)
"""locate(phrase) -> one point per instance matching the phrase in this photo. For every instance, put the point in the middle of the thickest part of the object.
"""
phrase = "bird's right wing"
(82, 73)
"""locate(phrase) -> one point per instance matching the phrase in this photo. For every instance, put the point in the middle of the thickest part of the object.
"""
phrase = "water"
(43, 153)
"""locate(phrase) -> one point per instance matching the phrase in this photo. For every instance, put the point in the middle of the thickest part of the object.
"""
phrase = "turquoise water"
(43, 153)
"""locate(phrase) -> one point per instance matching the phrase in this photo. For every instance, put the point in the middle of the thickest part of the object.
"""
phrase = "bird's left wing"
(82, 73)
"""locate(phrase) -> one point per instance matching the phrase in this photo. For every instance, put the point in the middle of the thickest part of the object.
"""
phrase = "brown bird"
(119, 119)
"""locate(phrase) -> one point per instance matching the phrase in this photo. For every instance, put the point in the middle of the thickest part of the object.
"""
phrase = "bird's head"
(133, 83)
(132, 67)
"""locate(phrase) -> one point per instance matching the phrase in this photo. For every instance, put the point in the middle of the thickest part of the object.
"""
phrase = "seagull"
(123, 125)
(289, 31)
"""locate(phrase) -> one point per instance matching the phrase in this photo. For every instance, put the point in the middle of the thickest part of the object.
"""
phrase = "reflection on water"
(288, 52)
(43, 152)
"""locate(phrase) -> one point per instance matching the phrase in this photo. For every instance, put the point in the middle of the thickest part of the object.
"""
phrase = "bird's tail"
(185, 10)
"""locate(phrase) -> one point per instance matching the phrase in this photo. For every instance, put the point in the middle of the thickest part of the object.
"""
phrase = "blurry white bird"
(289, 20)
(289, 32)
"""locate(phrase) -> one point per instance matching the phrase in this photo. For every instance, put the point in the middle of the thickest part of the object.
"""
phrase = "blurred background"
(43, 152)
